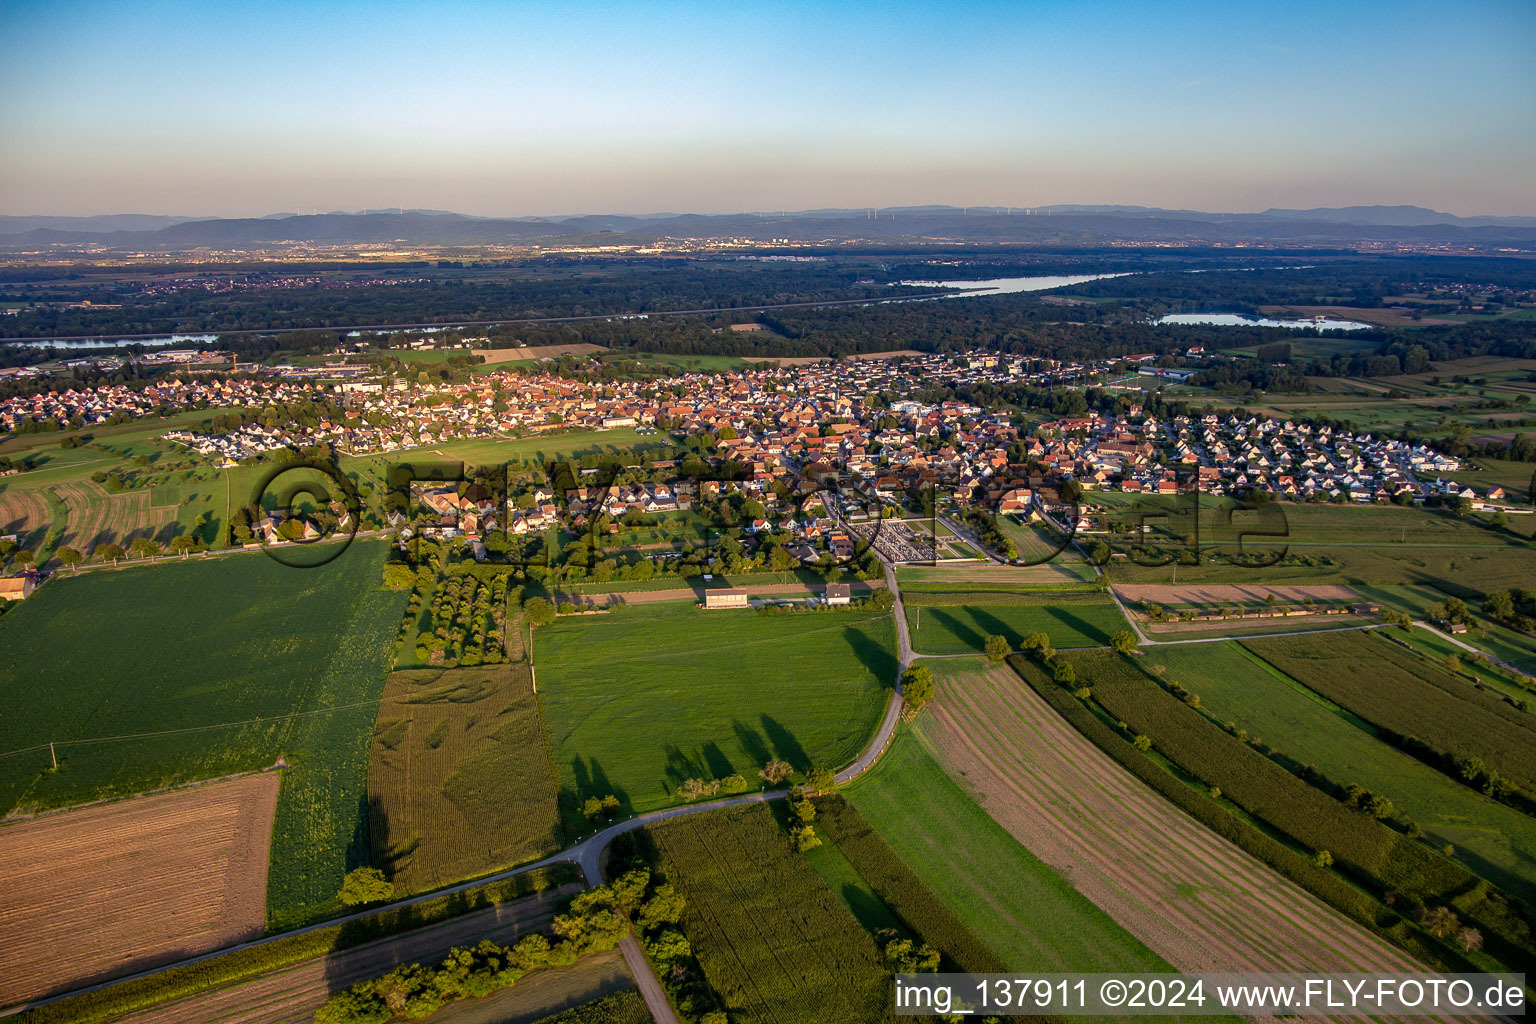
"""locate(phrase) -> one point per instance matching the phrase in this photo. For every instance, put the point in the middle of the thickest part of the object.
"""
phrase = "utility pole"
(53, 755)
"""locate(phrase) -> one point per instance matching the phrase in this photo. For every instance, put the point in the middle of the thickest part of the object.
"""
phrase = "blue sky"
(510, 108)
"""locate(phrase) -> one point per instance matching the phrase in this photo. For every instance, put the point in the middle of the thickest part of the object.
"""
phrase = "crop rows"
(620, 1008)
(460, 780)
(1396, 691)
(1323, 940)
(901, 890)
(774, 941)
(1375, 855)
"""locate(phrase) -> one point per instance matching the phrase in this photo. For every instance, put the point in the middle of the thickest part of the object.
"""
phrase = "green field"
(770, 956)
(1393, 689)
(159, 675)
(942, 624)
(1518, 649)
(460, 782)
(1496, 841)
(1026, 913)
(639, 699)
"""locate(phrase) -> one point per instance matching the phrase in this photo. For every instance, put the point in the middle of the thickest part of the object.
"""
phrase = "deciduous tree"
(997, 647)
(365, 885)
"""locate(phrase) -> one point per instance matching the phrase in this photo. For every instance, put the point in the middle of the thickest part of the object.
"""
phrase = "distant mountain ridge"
(1398, 216)
(1058, 224)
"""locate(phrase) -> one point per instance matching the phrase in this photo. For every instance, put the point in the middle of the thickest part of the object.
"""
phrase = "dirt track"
(1193, 898)
(108, 890)
(293, 994)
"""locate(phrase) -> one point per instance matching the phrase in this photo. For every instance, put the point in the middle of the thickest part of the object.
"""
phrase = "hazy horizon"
(540, 110)
(657, 214)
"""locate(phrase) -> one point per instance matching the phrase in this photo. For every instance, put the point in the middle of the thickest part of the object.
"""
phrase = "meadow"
(959, 623)
(460, 781)
(799, 960)
(1497, 842)
(638, 699)
(197, 669)
(1029, 916)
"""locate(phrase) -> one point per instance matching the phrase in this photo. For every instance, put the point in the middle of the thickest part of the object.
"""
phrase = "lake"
(1009, 285)
(90, 343)
(1233, 320)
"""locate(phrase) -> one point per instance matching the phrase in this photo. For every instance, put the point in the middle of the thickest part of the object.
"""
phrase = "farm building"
(725, 599)
(17, 588)
(838, 593)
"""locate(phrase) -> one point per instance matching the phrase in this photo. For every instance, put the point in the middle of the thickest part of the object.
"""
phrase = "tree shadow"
(590, 780)
(785, 746)
(995, 627)
(719, 765)
(961, 630)
(360, 846)
(752, 742)
(1071, 621)
(879, 660)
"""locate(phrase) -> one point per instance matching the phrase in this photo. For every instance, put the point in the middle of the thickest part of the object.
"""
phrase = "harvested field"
(24, 513)
(504, 355)
(460, 780)
(96, 517)
(1193, 898)
(122, 887)
(293, 994)
(1231, 593)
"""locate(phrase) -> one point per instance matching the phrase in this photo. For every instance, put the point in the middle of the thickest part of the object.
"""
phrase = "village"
(822, 421)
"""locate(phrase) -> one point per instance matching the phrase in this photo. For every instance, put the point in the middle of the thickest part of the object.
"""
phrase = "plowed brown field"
(1195, 899)
(109, 890)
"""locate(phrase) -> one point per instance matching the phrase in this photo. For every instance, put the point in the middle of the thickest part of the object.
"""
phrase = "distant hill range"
(1059, 225)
